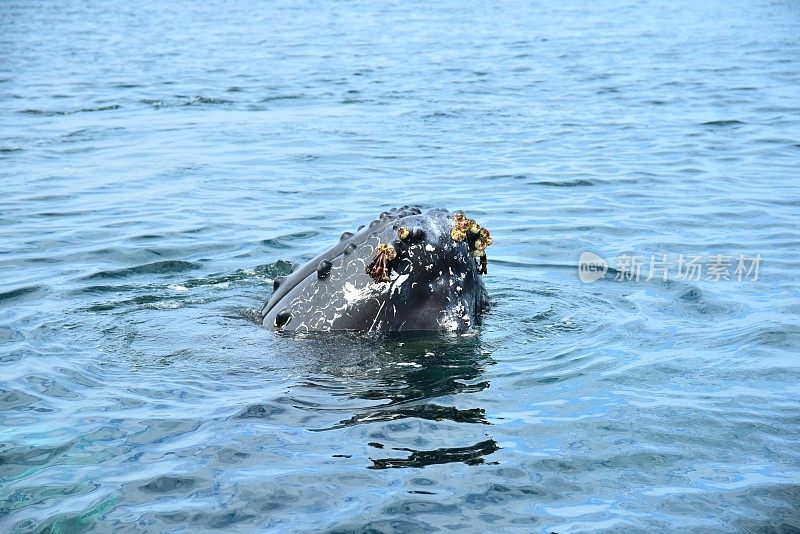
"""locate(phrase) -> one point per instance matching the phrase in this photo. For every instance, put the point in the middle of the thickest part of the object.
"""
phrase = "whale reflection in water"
(415, 379)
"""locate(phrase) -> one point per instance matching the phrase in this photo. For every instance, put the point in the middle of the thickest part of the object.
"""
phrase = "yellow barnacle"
(403, 233)
(478, 253)
(479, 244)
(458, 234)
(485, 236)
(474, 227)
(387, 250)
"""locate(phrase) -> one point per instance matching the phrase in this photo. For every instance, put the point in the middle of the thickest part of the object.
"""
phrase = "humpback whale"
(405, 271)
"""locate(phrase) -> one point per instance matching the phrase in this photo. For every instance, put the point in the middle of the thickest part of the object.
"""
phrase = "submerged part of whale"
(405, 271)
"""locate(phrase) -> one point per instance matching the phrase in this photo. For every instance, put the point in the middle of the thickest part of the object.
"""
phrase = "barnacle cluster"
(477, 238)
(464, 229)
(379, 268)
(385, 254)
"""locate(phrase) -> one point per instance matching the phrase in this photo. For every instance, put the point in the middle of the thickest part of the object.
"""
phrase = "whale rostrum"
(404, 271)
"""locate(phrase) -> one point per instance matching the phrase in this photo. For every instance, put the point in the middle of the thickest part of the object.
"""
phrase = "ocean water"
(162, 162)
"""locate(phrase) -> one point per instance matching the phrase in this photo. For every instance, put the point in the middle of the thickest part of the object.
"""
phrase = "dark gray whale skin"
(435, 283)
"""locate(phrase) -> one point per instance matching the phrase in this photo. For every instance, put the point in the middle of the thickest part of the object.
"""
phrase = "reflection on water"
(472, 455)
(413, 378)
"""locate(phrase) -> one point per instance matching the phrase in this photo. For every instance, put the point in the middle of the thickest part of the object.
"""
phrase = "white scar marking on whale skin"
(376, 316)
(399, 281)
(429, 247)
(352, 294)
(461, 309)
(449, 321)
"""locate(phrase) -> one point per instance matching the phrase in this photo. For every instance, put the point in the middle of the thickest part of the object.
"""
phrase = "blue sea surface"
(162, 162)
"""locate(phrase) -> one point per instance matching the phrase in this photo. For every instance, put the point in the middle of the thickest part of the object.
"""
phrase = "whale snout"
(405, 271)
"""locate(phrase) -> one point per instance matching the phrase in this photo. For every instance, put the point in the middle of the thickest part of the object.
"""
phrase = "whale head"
(405, 271)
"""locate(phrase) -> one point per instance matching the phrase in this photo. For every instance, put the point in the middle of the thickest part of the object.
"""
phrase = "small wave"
(505, 177)
(99, 108)
(184, 101)
(722, 123)
(287, 240)
(278, 268)
(105, 289)
(154, 102)
(440, 115)
(42, 112)
(280, 97)
(774, 335)
(260, 411)
(159, 267)
(158, 302)
(270, 270)
(693, 302)
(16, 294)
(202, 100)
(145, 237)
(567, 183)
(8, 335)
(53, 113)
(170, 484)
(251, 315)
